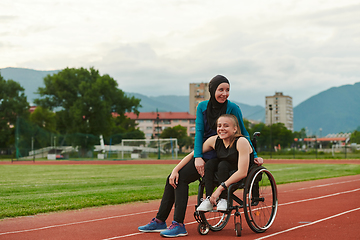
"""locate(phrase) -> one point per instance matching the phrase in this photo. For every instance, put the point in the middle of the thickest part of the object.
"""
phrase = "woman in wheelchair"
(191, 168)
(234, 153)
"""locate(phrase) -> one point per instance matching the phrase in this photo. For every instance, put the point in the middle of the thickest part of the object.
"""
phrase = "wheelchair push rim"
(215, 220)
(260, 211)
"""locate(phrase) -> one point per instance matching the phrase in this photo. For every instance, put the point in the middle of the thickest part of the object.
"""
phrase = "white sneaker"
(222, 205)
(205, 205)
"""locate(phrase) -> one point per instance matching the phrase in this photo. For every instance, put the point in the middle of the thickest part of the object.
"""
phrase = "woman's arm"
(174, 176)
(244, 150)
(208, 145)
(199, 130)
(199, 135)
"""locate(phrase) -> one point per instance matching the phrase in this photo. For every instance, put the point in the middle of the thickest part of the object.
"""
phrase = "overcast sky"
(298, 47)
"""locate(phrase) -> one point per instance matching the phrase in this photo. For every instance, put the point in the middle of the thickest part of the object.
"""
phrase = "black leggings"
(211, 167)
(179, 196)
(223, 173)
(223, 169)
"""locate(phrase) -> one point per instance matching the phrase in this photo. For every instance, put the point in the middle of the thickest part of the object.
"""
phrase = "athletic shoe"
(175, 230)
(205, 205)
(222, 205)
(153, 226)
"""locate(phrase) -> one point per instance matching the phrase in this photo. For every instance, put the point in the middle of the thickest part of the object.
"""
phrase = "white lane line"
(75, 223)
(305, 200)
(150, 211)
(316, 198)
(322, 185)
(305, 225)
(123, 236)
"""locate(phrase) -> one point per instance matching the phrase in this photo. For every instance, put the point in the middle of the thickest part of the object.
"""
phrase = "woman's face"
(222, 92)
(225, 127)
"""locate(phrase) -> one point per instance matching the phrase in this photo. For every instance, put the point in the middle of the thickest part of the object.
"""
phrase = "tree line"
(81, 101)
(72, 101)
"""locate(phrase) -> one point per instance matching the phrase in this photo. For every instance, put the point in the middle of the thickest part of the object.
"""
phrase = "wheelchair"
(259, 202)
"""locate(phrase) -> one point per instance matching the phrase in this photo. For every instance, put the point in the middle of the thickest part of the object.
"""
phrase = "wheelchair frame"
(259, 203)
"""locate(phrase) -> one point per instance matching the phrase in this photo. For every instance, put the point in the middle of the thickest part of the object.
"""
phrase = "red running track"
(322, 209)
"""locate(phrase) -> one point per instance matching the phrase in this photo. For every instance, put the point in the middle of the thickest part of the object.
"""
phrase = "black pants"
(211, 167)
(179, 196)
(224, 169)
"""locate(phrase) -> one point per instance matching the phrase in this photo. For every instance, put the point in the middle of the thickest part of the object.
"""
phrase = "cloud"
(157, 48)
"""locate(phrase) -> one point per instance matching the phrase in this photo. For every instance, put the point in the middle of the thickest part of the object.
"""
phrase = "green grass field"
(32, 189)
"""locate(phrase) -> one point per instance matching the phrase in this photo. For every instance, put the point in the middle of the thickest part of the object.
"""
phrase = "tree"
(263, 142)
(42, 127)
(180, 133)
(13, 104)
(86, 101)
(300, 137)
(280, 135)
(355, 137)
(44, 118)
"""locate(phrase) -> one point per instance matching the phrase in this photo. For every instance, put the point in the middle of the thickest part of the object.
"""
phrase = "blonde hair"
(236, 124)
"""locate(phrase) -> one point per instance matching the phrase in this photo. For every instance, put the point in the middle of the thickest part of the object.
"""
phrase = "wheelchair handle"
(256, 134)
(254, 140)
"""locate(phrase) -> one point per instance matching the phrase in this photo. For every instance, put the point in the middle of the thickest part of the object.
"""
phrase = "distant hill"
(164, 103)
(173, 103)
(29, 79)
(334, 110)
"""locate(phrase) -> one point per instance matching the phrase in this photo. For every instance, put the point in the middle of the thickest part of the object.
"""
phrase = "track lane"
(306, 210)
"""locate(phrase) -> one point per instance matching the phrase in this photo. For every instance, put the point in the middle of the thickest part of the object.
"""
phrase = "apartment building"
(279, 108)
(147, 122)
(198, 92)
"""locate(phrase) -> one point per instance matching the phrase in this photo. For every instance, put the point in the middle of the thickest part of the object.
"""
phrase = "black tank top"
(230, 154)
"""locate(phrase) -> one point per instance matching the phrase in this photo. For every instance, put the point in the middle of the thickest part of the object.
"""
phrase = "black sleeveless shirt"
(230, 155)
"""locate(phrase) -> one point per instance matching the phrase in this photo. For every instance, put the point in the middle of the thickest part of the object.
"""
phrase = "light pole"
(158, 131)
(271, 147)
(320, 145)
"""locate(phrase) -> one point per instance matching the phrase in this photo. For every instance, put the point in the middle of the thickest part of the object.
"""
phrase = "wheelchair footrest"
(197, 217)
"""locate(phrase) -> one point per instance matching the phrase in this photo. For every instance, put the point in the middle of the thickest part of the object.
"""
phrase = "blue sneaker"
(153, 226)
(175, 230)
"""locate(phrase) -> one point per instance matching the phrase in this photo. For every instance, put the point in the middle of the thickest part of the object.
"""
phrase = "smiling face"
(226, 127)
(222, 92)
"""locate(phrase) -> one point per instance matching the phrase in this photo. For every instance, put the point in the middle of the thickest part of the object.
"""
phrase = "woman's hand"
(215, 195)
(259, 161)
(174, 179)
(200, 166)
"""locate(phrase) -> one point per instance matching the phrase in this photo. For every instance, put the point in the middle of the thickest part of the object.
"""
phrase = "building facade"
(279, 109)
(147, 122)
(198, 92)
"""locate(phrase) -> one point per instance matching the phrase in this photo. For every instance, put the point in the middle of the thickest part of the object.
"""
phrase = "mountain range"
(334, 110)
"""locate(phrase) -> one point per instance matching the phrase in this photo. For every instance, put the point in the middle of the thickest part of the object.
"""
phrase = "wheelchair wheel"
(215, 220)
(203, 229)
(260, 199)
